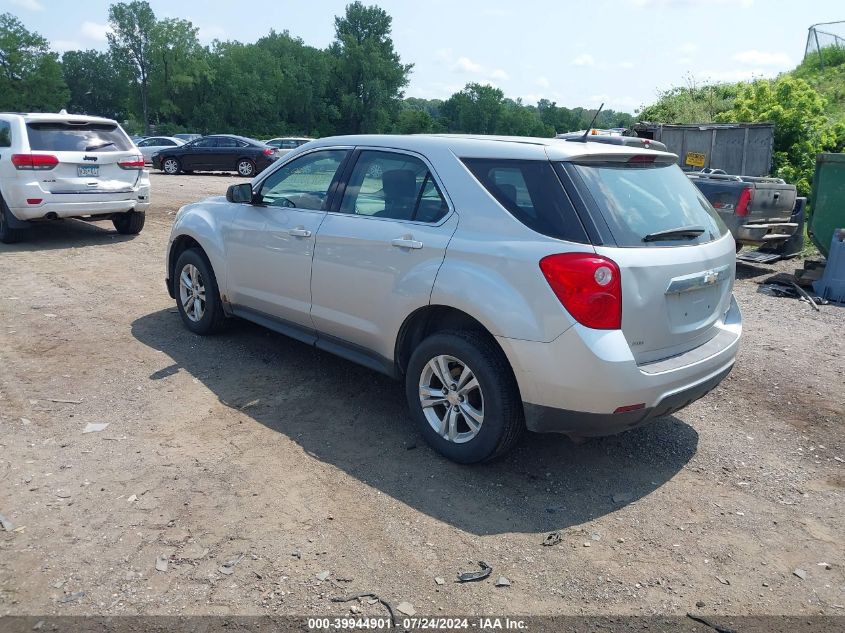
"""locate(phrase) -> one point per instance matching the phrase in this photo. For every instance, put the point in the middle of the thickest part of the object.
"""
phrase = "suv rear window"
(56, 136)
(639, 201)
(531, 192)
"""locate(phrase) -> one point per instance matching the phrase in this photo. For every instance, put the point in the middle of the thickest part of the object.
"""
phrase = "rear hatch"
(675, 255)
(94, 158)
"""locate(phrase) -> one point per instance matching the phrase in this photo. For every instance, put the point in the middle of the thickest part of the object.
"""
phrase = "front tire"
(463, 397)
(246, 168)
(8, 235)
(171, 166)
(129, 223)
(197, 295)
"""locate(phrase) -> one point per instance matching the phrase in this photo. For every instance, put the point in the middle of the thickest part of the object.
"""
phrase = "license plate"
(87, 171)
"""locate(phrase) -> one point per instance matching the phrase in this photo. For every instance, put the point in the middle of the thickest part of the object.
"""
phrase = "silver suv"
(69, 166)
(511, 283)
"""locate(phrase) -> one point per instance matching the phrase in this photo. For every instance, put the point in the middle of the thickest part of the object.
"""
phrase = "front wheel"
(463, 397)
(171, 166)
(197, 296)
(129, 223)
(246, 168)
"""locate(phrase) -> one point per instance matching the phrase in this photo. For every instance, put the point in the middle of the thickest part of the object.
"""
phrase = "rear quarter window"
(5, 134)
(532, 193)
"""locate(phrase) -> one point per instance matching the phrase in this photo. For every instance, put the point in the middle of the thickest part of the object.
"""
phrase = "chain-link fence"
(825, 43)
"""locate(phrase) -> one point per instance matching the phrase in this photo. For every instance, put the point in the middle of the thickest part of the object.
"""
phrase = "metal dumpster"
(827, 201)
(744, 149)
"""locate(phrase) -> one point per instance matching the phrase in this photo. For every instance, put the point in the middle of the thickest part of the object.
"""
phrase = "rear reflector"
(34, 161)
(34, 200)
(630, 407)
(137, 162)
(589, 286)
(746, 196)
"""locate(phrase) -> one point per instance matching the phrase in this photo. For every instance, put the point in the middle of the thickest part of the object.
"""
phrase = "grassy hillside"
(826, 73)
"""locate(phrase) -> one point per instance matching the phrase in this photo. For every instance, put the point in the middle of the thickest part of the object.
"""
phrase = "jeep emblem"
(91, 158)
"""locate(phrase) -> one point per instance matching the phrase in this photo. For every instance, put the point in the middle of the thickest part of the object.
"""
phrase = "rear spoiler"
(628, 141)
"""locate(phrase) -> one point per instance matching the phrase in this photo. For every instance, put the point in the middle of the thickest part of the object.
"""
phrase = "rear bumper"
(46, 210)
(549, 420)
(575, 383)
(765, 232)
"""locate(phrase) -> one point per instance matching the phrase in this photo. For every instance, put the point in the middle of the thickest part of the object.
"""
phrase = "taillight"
(746, 196)
(34, 161)
(268, 151)
(137, 162)
(589, 287)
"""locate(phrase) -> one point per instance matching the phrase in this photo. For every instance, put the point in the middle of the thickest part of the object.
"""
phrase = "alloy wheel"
(171, 166)
(245, 168)
(192, 292)
(451, 399)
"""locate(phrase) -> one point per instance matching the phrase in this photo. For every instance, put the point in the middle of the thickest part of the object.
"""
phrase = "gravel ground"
(285, 462)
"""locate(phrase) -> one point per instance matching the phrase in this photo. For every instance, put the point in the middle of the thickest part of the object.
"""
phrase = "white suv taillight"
(136, 162)
(34, 161)
(589, 287)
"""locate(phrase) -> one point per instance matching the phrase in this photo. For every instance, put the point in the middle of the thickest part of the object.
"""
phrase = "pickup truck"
(757, 210)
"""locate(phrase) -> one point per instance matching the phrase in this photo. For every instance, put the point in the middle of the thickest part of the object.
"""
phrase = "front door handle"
(406, 242)
(300, 232)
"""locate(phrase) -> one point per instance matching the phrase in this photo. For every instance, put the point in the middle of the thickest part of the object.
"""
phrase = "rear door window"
(531, 191)
(638, 203)
(393, 185)
(57, 136)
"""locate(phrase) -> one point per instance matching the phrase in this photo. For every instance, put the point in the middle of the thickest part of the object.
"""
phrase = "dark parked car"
(220, 152)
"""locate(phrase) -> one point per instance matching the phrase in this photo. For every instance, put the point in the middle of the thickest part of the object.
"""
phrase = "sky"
(576, 53)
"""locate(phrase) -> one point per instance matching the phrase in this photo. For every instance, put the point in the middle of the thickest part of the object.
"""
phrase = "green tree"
(368, 75)
(96, 84)
(178, 63)
(131, 42)
(30, 74)
(474, 110)
(802, 129)
(413, 121)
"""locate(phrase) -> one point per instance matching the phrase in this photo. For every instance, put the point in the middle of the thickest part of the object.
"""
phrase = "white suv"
(511, 283)
(68, 166)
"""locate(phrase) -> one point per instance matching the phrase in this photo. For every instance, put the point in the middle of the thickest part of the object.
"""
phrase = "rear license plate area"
(688, 310)
(88, 171)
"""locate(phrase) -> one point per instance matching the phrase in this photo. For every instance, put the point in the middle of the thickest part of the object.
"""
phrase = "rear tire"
(246, 168)
(8, 235)
(471, 438)
(129, 223)
(201, 312)
(171, 166)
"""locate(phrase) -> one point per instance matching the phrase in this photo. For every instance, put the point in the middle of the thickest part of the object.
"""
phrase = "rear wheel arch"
(432, 319)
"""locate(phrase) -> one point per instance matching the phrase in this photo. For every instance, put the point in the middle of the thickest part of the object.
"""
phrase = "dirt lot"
(252, 444)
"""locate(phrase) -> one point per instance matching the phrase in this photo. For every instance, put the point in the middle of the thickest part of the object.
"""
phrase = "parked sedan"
(287, 144)
(220, 152)
(155, 144)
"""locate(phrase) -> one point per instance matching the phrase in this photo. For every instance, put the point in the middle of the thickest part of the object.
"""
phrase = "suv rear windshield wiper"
(682, 232)
(91, 148)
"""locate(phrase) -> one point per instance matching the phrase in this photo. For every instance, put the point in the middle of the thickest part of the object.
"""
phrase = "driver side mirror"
(241, 193)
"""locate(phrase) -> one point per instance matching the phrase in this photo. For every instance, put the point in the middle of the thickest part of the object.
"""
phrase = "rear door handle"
(300, 232)
(406, 242)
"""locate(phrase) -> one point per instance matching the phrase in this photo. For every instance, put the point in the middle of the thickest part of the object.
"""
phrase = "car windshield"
(650, 205)
(57, 136)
